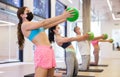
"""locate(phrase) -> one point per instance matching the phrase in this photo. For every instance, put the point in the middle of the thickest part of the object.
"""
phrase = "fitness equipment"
(111, 40)
(75, 14)
(105, 36)
(91, 35)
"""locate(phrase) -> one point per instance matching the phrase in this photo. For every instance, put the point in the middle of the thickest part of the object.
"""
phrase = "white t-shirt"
(84, 47)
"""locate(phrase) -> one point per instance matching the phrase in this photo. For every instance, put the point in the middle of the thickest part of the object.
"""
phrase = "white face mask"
(59, 31)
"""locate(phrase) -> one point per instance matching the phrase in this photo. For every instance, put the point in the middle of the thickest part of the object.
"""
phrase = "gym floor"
(21, 69)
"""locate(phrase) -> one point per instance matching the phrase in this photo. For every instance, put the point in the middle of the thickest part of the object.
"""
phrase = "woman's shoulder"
(26, 25)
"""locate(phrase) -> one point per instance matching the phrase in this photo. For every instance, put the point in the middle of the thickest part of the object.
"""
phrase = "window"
(14, 3)
(60, 7)
(42, 8)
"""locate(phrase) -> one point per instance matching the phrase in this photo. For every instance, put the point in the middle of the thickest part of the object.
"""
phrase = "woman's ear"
(22, 15)
(54, 31)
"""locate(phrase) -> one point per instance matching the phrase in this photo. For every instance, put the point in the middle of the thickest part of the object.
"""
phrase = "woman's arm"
(62, 40)
(70, 39)
(60, 18)
(101, 40)
(98, 37)
(47, 22)
(56, 23)
(82, 38)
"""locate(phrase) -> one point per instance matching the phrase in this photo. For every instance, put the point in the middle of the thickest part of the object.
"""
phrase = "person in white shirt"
(84, 49)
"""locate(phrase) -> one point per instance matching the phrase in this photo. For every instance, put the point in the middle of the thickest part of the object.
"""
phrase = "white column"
(29, 4)
(53, 8)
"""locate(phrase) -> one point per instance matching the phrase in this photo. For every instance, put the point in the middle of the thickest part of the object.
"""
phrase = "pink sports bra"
(94, 42)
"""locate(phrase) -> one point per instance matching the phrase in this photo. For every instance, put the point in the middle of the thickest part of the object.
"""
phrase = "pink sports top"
(94, 42)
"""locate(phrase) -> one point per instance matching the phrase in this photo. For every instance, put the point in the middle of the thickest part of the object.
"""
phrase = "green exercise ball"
(91, 35)
(105, 36)
(111, 40)
(75, 16)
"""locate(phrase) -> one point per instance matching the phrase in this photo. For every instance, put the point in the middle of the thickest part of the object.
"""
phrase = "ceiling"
(106, 9)
(100, 8)
(116, 7)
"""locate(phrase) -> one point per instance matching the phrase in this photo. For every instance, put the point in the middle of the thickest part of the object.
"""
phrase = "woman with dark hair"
(35, 31)
(65, 42)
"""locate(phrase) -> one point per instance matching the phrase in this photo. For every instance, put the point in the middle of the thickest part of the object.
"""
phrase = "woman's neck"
(57, 35)
(25, 20)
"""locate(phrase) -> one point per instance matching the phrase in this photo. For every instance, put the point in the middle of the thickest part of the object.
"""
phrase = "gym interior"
(97, 16)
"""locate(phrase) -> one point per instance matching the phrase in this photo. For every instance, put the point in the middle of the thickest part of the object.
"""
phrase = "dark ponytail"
(19, 31)
(51, 34)
(20, 36)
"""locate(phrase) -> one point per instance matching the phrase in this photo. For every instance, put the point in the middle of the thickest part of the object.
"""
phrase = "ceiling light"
(70, 1)
(110, 7)
(1, 72)
(113, 16)
(108, 2)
